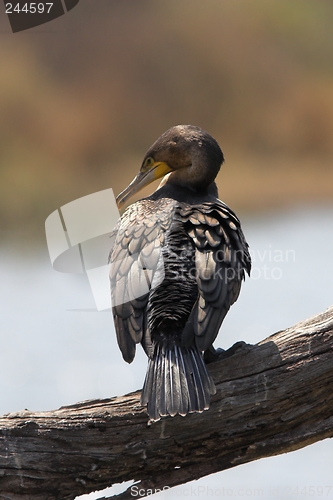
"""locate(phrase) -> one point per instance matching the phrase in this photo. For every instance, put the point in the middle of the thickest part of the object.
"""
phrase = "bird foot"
(211, 355)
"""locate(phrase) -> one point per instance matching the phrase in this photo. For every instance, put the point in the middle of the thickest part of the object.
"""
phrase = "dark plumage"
(176, 268)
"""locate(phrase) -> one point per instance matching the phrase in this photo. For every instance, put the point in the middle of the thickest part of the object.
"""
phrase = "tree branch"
(273, 397)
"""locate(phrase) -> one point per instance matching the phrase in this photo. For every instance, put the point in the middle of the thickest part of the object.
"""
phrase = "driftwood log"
(272, 397)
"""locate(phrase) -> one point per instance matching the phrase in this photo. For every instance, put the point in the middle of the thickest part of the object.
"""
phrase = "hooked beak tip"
(142, 180)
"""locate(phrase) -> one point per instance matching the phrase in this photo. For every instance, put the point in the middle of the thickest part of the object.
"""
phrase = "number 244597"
(29, 8)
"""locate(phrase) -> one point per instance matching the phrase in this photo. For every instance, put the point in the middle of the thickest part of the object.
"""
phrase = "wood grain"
(272, 397)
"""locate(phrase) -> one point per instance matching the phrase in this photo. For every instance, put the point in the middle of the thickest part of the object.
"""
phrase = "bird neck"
(184, 194)
(198, 176)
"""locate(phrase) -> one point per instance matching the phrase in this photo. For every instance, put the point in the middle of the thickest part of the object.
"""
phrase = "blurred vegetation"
(82, 99)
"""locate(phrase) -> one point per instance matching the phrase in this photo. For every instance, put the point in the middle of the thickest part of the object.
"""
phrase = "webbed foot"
(211, 354)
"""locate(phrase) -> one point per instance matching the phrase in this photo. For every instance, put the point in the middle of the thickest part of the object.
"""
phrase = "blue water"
(52, 354)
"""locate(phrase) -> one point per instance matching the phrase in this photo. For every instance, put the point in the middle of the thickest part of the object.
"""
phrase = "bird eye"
(149, 162)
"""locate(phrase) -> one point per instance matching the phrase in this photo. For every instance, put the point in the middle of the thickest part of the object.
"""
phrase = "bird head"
(189, 154)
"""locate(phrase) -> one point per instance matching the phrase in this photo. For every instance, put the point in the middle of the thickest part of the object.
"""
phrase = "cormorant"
(176, 268)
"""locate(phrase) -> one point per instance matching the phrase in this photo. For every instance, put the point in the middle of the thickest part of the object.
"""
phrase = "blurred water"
(53, 356)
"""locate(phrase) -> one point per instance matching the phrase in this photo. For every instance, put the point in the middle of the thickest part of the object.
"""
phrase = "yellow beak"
(144, 177)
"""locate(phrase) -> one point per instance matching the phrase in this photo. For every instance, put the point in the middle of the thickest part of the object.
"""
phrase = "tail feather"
(162, 377)
(172, 384)
(201, 394)
(184, 397)
(208, 386)
(177, 381)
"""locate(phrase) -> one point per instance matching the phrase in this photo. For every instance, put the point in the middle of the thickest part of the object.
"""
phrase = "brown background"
(83, 97)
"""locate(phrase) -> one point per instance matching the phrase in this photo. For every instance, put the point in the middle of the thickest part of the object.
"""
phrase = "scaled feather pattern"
(177, 265)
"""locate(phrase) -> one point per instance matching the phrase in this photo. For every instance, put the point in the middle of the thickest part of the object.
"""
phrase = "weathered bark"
(273, 397)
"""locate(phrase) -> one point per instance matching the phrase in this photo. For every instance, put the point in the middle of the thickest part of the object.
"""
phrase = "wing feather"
(135, 268)
(221, 256)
